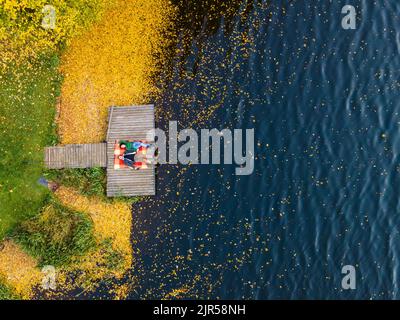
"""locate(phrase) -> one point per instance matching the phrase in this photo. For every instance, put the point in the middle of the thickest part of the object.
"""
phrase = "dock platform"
(128, 123)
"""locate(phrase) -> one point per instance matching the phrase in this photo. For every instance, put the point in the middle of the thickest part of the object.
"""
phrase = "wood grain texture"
(130, 123)
(76, 156)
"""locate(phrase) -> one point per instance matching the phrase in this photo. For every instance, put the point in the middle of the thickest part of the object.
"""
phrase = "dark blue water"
(325, 106)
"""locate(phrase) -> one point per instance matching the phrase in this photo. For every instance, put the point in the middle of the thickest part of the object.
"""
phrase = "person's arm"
(130, 153)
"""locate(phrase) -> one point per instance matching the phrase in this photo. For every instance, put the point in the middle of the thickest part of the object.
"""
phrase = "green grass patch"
(27, 106)
(89, 182)
(6, 293)
(56, 236)
(114, 258)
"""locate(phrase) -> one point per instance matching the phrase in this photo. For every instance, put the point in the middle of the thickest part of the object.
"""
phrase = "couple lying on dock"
(134, 154)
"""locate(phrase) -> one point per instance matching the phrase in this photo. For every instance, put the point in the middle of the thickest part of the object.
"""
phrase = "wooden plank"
(130, 122)
(76, 156)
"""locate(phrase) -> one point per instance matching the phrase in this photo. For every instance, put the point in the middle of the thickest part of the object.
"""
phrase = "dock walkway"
(76, 156)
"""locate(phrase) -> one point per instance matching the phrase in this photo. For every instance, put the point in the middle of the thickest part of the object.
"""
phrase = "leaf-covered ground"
(113, 64)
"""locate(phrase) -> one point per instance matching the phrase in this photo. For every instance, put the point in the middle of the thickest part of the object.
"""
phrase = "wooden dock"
(130, 123)
(124, 123)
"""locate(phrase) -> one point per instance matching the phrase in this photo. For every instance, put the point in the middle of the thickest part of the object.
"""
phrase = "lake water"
(324, 103)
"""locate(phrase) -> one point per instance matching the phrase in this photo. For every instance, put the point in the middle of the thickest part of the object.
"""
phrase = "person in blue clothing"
(129, 158)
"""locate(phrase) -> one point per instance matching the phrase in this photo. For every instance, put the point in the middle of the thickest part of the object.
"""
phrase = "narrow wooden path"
(76, 156)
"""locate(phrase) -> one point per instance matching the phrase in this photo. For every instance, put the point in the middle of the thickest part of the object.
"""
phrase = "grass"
(27, 98)
(113, 258)
(56, 236)
(89, 182)
(6, 293)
